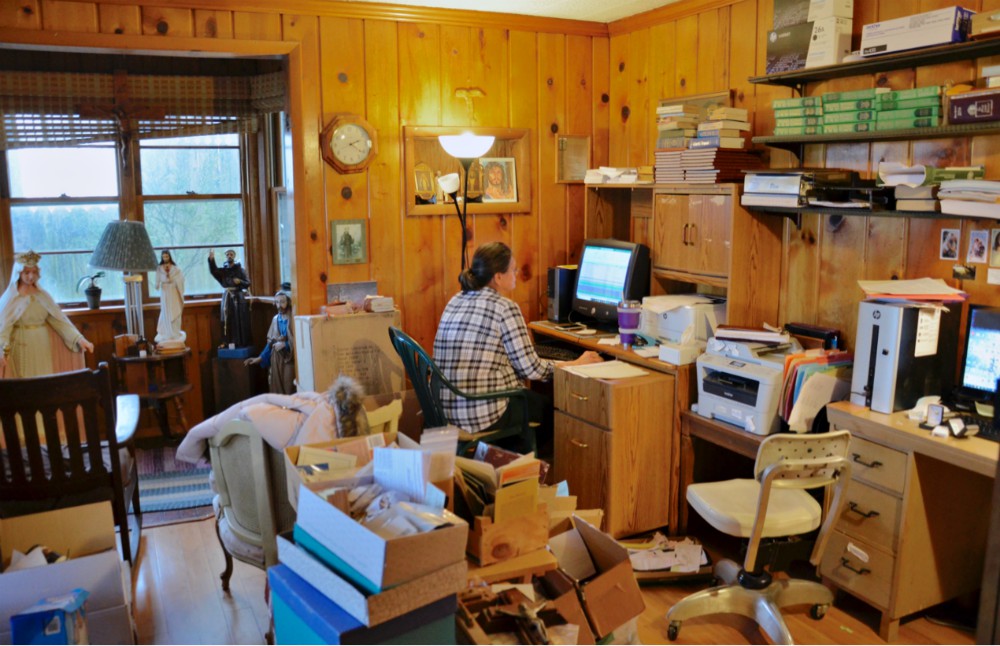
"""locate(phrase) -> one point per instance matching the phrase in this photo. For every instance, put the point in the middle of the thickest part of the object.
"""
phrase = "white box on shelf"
(939, 27)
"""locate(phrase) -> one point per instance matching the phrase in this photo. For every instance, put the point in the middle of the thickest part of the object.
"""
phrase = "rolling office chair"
(774, 504)
(427, 380)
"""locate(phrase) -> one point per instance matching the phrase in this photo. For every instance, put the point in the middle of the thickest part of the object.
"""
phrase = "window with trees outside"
(189, 196)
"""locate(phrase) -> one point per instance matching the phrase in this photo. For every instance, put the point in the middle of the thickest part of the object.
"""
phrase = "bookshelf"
(794, 143)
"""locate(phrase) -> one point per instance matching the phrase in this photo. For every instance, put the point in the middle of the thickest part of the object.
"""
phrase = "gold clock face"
(351, 144)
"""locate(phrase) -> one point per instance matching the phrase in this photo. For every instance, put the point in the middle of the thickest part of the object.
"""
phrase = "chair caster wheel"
(673, 629)
(818, 611)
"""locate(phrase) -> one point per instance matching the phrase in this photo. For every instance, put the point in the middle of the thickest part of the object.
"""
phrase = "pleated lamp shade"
(124, 246)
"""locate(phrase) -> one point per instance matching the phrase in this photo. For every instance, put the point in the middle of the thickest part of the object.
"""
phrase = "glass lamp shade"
(124, 246)
(466, 145)
(449, 183)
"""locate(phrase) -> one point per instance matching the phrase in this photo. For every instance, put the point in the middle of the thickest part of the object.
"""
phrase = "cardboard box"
(939, 27)
(356, 345)
(794, 12)
(370, 561)
(611, 597)
(983, 25)
(371, 609)
(809, 44)
(53, 620)
(87, 535)
(491, 542)
(974, 107)
(293, 479)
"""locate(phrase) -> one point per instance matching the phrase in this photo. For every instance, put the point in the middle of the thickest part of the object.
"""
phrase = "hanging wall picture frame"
(349, 242)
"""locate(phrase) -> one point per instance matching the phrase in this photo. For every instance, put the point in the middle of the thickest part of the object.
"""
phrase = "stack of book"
(717, 165)
(726, 128)
(919, 107)
(668, 167)
(791, 188)
(990, 76)
(916, 187)
(859, 111)
(798, 116)
(677, 124)
(854, 111)
(976, 197)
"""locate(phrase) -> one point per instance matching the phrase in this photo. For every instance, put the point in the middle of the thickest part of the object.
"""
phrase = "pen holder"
(629, 312)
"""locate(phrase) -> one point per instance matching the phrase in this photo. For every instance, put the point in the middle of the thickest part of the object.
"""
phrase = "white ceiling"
(592, 10)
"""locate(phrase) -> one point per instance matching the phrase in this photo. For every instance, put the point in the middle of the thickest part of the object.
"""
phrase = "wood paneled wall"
(714, 45)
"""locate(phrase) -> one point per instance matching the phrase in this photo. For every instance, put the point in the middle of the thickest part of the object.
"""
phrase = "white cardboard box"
(356, 345)
(810, 44)
(86, 534)
(793, 12)
(949, 25)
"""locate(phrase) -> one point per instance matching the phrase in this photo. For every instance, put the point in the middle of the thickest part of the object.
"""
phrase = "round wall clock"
(348, 143)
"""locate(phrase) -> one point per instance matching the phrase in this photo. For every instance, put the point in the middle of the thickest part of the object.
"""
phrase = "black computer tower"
(562, 280)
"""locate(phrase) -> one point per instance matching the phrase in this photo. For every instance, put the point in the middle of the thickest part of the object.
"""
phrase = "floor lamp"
(124, 246)
(467, 148)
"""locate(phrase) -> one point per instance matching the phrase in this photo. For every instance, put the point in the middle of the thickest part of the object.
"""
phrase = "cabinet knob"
(582, 398)
(576, 442)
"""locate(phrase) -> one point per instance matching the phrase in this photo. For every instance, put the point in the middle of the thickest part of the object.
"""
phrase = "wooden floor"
(178, 600)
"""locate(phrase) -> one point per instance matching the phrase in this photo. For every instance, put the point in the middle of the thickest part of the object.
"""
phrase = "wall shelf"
(887, 62)
(794, 143)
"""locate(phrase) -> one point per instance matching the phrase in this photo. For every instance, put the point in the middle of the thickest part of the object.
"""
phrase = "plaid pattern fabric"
(482, 345)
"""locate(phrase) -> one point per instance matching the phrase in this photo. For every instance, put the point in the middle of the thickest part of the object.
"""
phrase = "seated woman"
(482, 345)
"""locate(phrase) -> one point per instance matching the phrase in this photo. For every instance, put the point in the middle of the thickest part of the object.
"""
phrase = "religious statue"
(170, 282)
(277, 356)
(235, 310)
(26, 313)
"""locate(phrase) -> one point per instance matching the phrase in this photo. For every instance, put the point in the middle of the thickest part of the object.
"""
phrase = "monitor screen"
(610, 271)
(982, 352)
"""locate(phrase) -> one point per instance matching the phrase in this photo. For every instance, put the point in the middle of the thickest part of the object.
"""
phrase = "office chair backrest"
(808, 461)
(424, 374)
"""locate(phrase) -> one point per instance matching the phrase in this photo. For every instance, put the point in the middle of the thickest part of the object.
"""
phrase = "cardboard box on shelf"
(809, 44)
(86, 534)
(939, 27)
(793, 12)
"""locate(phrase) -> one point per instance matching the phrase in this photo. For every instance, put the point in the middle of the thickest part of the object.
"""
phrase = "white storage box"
(810, 44)
(794, 12)
(950, 25)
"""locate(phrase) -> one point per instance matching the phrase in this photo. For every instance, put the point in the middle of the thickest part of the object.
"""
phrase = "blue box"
(304, 615)
(236, 353)
(56, 620)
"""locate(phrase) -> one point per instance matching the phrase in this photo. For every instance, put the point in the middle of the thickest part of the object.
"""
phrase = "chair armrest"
(126, 417)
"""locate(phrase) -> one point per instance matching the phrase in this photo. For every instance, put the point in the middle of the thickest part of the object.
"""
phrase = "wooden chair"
(428, 380)
(67, 441)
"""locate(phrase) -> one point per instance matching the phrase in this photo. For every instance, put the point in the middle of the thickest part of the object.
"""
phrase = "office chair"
(427, 380)
(774, 504)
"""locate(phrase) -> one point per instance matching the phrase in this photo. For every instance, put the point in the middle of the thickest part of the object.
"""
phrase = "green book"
(816, 111)
(841, 128)
(854, 95)
(904, 104)
(910, 113)
(798, 130)
(797, 102)
(849, 106)
(900, 124)
(915, 93)
(849, 117)
(793, 122)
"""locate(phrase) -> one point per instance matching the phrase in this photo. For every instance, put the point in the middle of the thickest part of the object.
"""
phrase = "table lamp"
(467, 148)
(124, 246)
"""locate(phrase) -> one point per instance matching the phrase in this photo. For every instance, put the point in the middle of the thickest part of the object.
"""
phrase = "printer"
(740, 383)
(682, 323)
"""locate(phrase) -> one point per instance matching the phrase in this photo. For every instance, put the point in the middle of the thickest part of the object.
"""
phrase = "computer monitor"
(610, 271)
(981, 363)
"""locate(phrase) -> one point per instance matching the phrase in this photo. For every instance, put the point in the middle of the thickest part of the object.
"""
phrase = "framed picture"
(572, 158)
(979, 242)
(426, 186)
(349, 242)
(949, 243)
(995, 248)
(499, 179)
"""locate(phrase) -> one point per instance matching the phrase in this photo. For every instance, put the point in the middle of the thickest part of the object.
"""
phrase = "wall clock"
(349, 143)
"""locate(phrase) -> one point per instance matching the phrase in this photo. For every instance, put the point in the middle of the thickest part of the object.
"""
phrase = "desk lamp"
(125, 247)
(466, 148)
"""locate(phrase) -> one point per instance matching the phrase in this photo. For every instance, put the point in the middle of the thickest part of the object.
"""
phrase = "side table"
(157, 379)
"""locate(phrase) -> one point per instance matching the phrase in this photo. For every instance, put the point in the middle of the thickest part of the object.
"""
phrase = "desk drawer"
(878, 465)
(863, 570)
(871, 515)
(587, 399)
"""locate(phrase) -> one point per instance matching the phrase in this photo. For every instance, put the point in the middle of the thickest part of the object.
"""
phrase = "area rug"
(172, 491)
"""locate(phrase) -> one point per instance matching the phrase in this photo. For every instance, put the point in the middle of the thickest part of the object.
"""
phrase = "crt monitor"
(981, 365)
(610, 271)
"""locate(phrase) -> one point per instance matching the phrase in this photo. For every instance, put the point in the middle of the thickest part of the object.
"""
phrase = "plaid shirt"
(482, 345)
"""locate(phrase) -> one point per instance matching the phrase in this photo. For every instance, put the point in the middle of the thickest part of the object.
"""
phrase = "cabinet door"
(710, 234)
(581, 459)
(671, 223)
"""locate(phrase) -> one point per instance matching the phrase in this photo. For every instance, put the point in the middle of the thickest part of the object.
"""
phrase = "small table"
(157, 379)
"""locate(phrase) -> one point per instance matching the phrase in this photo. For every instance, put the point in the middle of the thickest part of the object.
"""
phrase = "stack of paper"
(812, 380)
(980, 198)
(611, 175)
(501, 492)
(919, 289)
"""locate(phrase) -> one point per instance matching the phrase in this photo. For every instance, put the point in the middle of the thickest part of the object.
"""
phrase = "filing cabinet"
(613, 441)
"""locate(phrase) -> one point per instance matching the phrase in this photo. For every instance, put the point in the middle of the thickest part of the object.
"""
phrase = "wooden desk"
(680, 392)
(914, 529)
(157, 379)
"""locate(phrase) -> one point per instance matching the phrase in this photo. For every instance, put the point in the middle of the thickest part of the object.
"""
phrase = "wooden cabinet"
(613, 440)
(691, 234)
(157, 379)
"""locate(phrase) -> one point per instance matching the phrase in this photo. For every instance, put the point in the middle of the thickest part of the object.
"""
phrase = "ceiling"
(592, 10)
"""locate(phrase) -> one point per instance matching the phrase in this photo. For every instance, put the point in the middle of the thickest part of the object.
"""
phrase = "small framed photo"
(499, 179)
(349, 242)
(950, 239)
(994, 250)
(979, 242)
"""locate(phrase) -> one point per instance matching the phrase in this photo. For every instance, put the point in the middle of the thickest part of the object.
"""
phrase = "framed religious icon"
(349, 242)
(425, 182)
(499, 179)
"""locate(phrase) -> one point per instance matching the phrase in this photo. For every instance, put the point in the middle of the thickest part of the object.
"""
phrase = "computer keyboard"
(988, 429)
(554, 352)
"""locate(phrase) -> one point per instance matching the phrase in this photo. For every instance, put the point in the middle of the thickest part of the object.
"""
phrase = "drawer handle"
(854, 507)
(862, 571)
(576, 442)
(684, 239)
(874, 464)
(582, 398)
(694, 234)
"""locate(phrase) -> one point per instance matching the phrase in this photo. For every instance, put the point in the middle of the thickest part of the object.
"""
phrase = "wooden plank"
(256, 26)
(662, 62)
(601, 102)
(686, 75)
(213, 24)
(742, 53)
(579, 120)
(641, 111)
(167, 21)
(115, 19)
(552, 242)
(712, 54)
(69, 16)
(619, 106)
(20, 14)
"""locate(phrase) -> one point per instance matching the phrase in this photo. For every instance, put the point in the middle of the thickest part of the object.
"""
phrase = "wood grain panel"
(20, 14)
(686, 75)
(213, 24)
(59, 15)
(256, 26)
(713, 54)
(742, 53)
(661, 74)
(601, 101)
(619, 107)
(552, 243)
(579, 120)
(384, 186)
(115, 19)
(640, 121)
(167, 21)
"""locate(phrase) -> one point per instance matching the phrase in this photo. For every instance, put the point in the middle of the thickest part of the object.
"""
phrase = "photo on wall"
(349, 242)
(950, 239)
(994, 248)
(499, 179)
(979, 242)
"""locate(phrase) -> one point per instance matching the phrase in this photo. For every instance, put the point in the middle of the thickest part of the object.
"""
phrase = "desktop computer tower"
(903, 352)
(562, 280)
